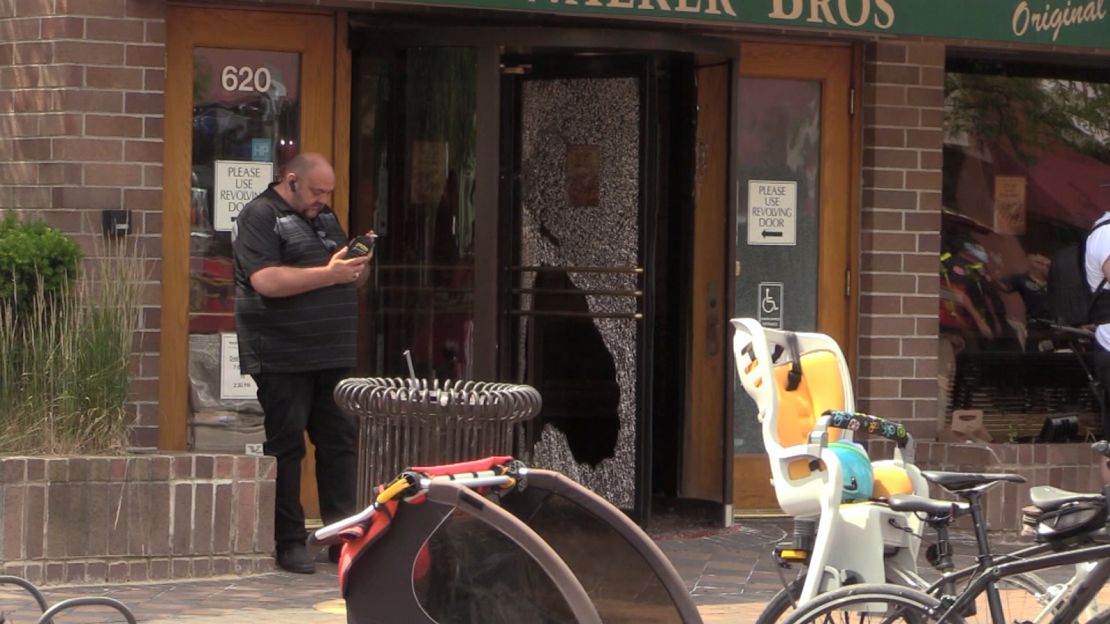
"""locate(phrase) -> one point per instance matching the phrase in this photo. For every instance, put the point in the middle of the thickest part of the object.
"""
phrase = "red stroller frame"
(493, 541)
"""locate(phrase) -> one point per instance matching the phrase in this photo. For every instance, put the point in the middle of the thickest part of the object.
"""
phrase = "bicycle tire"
(867, 603)
(1019, 592)
(781, 604)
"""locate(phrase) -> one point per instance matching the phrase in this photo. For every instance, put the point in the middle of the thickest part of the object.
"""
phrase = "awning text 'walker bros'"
(1054, 22)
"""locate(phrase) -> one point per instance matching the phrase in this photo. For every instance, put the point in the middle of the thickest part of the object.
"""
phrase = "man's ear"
(293, 184)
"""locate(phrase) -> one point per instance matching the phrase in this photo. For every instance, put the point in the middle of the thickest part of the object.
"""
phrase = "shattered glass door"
(578, 279)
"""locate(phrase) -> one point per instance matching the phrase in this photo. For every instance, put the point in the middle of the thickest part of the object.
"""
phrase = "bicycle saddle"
(1048, 498)
(933, 508)
(958, 481)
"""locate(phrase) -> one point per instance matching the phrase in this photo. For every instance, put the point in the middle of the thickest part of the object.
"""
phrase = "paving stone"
(729, 573)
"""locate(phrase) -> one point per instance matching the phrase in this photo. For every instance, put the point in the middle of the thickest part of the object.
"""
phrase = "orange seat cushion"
(819, 390)
(798, 410)
(890, 480)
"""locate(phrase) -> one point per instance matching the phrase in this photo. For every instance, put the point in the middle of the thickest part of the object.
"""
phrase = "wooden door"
(245, 91)
(703, 451)
(797, 135)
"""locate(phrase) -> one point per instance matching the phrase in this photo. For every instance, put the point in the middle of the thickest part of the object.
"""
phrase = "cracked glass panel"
(580, 211)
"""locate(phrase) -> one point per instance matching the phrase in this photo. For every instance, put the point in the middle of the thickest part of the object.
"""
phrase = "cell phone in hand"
(361, 245)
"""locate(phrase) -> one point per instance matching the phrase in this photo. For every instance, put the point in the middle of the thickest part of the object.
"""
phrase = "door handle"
(712, 321)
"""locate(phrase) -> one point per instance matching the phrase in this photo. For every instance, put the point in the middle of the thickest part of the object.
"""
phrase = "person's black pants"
(294, 403)
(1102, 375)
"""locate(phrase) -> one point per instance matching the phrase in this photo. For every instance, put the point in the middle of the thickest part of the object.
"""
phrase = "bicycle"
(938, 516)
(801, 387)
(1067, 520)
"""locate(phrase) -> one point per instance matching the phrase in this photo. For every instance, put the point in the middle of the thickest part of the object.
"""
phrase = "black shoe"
(333, 553)
(293, 557)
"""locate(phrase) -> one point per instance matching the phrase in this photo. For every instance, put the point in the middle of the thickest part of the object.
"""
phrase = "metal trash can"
(413, 422)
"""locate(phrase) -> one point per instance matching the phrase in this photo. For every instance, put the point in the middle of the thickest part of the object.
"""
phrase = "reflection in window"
(414, 169)
(1024, 161)
(246, 111)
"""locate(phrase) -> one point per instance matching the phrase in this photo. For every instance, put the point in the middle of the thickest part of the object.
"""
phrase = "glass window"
(779, 156)
(415, 167)
(246, 112)
(1026, 155)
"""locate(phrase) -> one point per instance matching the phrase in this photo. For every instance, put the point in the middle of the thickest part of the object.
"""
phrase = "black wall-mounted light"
(116, 223)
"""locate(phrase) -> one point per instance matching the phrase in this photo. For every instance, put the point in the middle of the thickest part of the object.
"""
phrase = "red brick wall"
(135, 518)
(1067, 466)
(903, 140)
(81, 86)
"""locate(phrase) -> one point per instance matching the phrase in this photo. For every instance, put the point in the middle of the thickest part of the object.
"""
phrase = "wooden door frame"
(837, 64)
(710, 367)
(321, 39)
(839, 209)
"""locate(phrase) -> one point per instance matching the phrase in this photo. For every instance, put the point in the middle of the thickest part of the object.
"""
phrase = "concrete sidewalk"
(729, 573)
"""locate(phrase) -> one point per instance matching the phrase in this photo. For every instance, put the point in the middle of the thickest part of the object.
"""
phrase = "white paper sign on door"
(237, 182)
(233, 384)
(772, 212)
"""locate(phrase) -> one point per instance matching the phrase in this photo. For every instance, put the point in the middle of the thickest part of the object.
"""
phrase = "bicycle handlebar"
(1102, 447)
(1079, 332)
(408, 484)
(858, 421)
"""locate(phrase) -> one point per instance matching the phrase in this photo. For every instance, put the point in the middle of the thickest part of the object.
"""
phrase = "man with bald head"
(296, 312)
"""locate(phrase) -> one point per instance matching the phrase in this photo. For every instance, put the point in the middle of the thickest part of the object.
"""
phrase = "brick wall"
(1066, 466)
(899, 288)
(141, 517)
(81, 85)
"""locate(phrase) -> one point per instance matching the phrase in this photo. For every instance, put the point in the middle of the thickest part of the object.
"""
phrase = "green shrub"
(65, 365)
(34, 255)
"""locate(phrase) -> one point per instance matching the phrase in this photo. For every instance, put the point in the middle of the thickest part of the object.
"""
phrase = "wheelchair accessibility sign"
(770, 304)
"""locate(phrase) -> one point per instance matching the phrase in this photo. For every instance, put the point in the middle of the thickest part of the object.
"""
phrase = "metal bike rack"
(48, 612)
(413, 422)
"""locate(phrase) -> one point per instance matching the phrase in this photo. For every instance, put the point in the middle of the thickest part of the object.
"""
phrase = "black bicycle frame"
(946, 584)
(1071, 608)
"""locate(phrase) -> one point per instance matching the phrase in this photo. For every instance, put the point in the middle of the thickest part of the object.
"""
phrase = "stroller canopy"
(545, 549)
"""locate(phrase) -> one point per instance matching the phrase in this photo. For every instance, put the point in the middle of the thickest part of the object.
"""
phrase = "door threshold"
(758, 513)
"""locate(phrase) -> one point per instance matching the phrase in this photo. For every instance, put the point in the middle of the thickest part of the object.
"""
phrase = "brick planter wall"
(1066, 466)
(139, 517)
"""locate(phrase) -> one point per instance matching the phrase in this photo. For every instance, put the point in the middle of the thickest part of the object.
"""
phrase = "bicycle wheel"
(781, 604)
(1023, 597)
(868, 604)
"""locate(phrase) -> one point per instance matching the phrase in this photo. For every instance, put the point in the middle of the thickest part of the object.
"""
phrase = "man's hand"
(286, 281)
(347, 270)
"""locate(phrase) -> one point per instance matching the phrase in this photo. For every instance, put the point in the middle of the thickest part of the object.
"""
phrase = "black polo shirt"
(311, 331)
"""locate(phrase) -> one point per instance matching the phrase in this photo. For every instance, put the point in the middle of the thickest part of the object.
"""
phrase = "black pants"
(1102, 374)
(293, 404)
